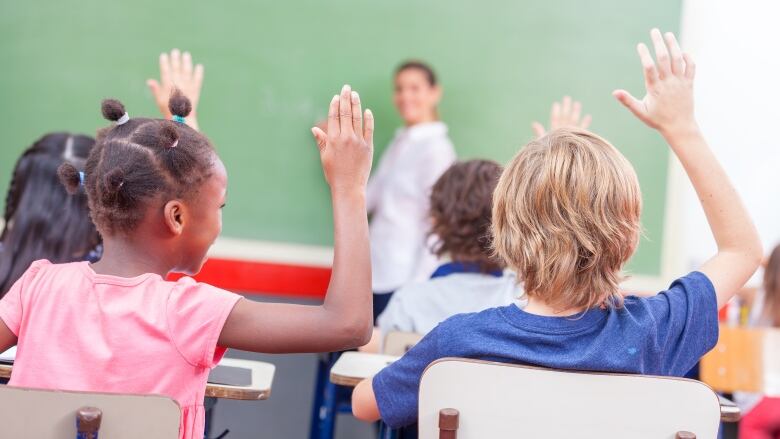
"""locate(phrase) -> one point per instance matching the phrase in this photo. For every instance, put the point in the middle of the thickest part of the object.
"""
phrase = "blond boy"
(566, 218)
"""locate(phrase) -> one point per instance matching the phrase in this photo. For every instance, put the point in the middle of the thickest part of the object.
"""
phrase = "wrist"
(683, 130)
(349, 193)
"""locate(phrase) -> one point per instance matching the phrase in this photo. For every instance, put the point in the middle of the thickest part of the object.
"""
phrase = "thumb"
(154, 86)
(320, 137)
(538, 129)
(633, 104)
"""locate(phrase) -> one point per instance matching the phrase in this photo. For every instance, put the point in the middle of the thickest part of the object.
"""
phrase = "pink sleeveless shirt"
(78, 330)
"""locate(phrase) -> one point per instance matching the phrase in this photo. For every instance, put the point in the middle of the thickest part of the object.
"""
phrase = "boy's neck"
(123, 257)
(538, 307)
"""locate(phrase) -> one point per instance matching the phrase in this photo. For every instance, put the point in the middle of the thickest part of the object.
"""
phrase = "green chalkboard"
(271, 67)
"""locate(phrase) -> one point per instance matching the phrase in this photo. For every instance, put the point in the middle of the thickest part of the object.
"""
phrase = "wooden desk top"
(353, 367)
(262, 378)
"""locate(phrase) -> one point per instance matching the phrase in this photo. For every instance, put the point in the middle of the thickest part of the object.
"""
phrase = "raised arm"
(668, 107)
(566, 113)
(344, 320)
(177, 71)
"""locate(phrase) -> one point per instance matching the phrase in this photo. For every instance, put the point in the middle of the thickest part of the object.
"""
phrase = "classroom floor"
(286, 414)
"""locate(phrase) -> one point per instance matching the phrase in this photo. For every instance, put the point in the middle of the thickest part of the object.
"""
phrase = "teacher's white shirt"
(397, 196)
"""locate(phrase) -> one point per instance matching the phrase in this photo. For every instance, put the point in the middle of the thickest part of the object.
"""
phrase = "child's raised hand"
(668, 104)
(177, 71)
(564, 114)
(347, 149)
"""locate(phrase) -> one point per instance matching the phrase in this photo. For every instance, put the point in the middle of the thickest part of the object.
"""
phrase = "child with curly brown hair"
(472, 279)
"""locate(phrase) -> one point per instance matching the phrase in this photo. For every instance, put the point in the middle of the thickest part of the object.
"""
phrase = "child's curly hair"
(566, 218)
(461, 201)
(138, 162)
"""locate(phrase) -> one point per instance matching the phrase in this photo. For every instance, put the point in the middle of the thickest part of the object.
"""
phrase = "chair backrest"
(397, 343)
(497, 400)
(47, 414)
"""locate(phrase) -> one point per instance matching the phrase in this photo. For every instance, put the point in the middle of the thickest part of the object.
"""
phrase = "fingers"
(566, 108)
(154, 86)
(320, 137)
(165, 70)
(651, 73)
(661, 54)
(555, 115)
(632, 103)
(576, 110)
(368, 127)
(690, 66)
(186, 65)
(197, 76)
(345, 110)
(675, 53)
(356, 112)
(333, 117)
(175, 66)
(585, 122)
(538, 129)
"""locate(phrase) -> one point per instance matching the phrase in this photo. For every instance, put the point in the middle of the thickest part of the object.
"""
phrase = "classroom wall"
(737, 90)
(272, 66)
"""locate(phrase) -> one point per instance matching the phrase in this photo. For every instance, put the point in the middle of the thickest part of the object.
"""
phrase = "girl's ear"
(173, 215)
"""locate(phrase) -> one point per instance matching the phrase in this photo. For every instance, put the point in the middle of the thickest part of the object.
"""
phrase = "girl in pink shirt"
(156, 189)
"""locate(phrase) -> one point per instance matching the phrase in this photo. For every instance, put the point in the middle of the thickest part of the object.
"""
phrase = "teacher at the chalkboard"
(398, 191)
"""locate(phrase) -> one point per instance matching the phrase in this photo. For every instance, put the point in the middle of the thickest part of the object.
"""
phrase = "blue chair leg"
(319, 390)
(323, 419)
(386, 432)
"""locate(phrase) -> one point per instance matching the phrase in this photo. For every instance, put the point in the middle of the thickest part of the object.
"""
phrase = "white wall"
(735, 44)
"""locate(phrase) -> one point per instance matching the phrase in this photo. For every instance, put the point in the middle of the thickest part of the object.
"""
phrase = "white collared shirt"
(398, 197)
(419, 307)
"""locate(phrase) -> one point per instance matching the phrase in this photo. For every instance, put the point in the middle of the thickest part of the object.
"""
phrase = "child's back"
(566, 218)
(126, 335)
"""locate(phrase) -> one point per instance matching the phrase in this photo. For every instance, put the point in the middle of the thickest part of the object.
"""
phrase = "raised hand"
(668, 102)
(564, 114)
(347, 148)
(177, 71)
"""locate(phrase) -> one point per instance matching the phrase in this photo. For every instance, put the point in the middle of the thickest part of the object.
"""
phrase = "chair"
(48, 414)
(472, 399)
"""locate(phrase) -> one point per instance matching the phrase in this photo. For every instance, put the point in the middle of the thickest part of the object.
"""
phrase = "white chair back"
(498, 401)
(47, 414)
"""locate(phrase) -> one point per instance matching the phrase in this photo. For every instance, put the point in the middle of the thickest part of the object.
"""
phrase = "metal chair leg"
(88, 422)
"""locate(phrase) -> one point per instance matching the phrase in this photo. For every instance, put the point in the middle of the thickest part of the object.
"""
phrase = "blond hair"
(566, 218)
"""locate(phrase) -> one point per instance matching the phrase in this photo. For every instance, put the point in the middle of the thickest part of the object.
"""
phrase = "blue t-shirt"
(661, 335)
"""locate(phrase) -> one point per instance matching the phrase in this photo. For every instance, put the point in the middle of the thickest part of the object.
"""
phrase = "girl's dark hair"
(461, 210)
(427, 71)
(138, 162)
(772, 288)
(41, 220)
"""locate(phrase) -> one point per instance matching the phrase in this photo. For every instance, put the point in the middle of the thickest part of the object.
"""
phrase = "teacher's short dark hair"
(430, 75)
(461, 210)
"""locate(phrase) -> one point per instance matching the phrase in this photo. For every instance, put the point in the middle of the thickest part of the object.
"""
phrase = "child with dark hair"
(155, 190)
(473, 279)
(41, 221)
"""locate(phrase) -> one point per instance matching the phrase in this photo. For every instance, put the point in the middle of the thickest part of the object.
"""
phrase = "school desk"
(745, 359)
(353, 367)
(262, 377)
